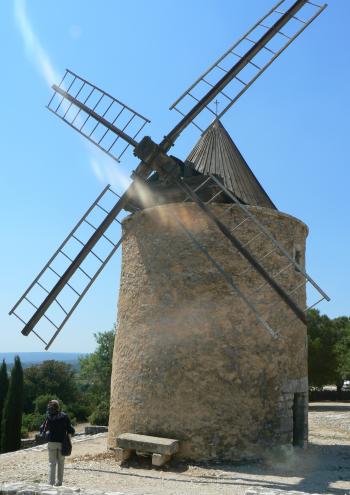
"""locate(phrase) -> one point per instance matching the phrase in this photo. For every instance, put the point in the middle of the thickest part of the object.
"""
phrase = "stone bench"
(161, 448)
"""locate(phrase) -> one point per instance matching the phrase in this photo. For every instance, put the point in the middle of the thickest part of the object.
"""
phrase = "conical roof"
(216, 153)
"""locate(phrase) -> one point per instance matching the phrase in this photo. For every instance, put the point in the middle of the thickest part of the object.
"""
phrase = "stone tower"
(191, 361)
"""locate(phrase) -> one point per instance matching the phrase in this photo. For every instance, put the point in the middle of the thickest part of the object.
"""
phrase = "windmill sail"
(79, 110)
(287, 260)
(247, 59)
(98, 116)
(63, 282)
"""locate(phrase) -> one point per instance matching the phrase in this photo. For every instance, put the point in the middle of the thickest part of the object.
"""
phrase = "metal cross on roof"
(216, 102)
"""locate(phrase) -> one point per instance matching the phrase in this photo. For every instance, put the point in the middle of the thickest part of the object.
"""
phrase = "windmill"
(212, 200)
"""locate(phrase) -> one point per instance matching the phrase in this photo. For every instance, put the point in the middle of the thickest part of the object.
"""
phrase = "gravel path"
(323, 468)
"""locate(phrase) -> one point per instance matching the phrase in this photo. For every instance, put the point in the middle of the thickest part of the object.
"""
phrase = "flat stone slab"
(147, 443)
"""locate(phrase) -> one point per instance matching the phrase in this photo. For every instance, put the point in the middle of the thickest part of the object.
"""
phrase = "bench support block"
(160, 459)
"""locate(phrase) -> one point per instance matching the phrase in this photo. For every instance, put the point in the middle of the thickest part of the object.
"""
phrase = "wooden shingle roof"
(216, 153)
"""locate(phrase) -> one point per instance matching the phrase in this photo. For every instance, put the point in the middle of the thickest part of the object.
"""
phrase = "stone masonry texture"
(191, 361)
(20, 488)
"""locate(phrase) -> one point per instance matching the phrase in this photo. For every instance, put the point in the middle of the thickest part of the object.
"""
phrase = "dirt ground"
(323, 468)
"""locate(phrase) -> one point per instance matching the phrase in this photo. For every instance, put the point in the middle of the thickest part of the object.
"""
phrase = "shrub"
(40, 407)
(100, 414)
(49, 378)
(41, 402)
(32, 421)
(80, 411)
(24, 432)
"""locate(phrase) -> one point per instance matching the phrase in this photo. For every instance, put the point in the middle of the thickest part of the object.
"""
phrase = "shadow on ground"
(329, 407)
(315, 470)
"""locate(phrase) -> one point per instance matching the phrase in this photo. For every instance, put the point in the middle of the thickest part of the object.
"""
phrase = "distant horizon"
(39, 356)
(43, 352)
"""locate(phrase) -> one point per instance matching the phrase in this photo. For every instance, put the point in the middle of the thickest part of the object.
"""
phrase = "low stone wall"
(94, 429)
(41, 489)
(20, 488)
(27, 443)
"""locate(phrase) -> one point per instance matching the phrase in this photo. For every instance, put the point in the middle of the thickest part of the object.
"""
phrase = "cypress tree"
(4, 385)
(12, 414)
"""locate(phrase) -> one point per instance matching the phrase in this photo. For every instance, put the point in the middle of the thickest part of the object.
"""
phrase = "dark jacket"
(57, 425)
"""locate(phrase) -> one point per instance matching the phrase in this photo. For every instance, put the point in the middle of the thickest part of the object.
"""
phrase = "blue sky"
(292, 127)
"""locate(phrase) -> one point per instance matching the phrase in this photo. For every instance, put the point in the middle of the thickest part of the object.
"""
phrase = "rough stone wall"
(284, 428)
(191, 361)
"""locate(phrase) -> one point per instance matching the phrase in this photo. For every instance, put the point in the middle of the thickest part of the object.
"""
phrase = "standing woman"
(58, 425)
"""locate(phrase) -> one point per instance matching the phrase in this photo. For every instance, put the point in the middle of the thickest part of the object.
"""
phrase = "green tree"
(4, 385)
(51, 377)
(342, 349)
(12, 414)
(329, 350)
(322, 356)
(95, 375)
